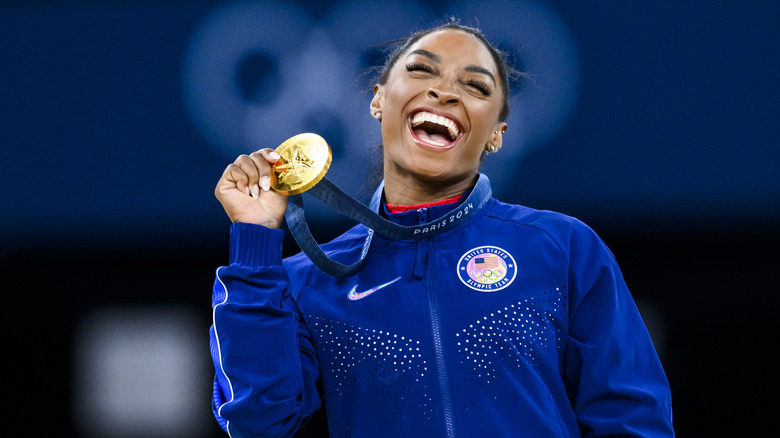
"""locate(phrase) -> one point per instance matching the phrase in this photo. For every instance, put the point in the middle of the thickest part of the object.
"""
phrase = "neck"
(409, 190)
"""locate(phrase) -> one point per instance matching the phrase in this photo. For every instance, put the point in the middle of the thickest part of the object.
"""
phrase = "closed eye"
(480, 86)
(419, 66)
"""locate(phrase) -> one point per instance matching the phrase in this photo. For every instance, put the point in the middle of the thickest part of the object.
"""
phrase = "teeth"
(423, 116)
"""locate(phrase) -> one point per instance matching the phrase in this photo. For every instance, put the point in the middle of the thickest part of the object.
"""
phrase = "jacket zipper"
(440, 363)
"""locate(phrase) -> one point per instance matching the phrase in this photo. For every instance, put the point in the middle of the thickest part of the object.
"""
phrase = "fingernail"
(246, 190)
(265, 182)
(255, 191)
(274, 155)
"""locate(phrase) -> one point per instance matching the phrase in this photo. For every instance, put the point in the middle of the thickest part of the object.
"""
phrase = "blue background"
(664, 137)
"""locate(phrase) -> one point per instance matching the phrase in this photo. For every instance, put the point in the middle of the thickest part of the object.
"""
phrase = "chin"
(438, 172)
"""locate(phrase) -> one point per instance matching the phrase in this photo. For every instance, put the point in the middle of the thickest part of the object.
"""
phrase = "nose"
(444, 93)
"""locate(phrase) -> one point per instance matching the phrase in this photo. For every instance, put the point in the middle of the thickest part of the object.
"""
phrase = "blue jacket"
(516, 323)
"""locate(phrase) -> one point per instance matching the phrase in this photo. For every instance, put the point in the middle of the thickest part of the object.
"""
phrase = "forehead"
(455, 45)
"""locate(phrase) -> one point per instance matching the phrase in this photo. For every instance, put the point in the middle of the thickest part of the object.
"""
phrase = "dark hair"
(499, 57)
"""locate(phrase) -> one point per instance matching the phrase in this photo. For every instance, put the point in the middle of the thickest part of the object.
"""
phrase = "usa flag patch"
(487, 269)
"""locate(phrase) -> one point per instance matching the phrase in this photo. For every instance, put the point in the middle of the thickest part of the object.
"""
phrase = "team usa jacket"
(516, 323)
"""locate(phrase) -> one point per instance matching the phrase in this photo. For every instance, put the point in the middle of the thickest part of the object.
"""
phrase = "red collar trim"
(402, 208)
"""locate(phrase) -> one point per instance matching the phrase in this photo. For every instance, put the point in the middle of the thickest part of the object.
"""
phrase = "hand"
(244, 191)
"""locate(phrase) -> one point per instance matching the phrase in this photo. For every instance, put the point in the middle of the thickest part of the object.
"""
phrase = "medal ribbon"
(348, 206)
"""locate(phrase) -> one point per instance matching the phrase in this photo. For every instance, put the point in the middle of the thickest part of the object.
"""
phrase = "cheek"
(486, 113)
(484, 122)
(392, 129)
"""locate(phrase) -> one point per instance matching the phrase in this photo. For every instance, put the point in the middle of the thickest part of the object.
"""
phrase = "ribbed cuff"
(255, 245)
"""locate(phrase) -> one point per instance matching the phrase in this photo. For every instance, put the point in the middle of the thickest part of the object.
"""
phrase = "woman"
(509, 322)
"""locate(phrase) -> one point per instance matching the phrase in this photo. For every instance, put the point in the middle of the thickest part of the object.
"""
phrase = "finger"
(234, 178)
(270, 155)
(264, 160)
(255, 169)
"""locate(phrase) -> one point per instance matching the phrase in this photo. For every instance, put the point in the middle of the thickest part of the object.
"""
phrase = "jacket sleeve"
(265, 363)
(615, 380)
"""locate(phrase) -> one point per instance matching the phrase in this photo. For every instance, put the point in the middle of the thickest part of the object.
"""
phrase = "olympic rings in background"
(256, 73)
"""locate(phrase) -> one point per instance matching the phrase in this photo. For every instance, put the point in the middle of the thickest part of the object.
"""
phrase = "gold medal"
(305, 160)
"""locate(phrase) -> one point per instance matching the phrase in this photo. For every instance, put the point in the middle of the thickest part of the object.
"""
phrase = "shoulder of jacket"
(560, 227)
(528, 216)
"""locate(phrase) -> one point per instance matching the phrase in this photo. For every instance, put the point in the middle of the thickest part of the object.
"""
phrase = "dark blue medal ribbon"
(346, 205)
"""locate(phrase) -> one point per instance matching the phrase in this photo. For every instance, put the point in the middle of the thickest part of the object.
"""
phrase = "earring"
(377, 114)
(492, 148)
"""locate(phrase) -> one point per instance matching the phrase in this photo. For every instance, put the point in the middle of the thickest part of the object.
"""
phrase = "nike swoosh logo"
(354, 295)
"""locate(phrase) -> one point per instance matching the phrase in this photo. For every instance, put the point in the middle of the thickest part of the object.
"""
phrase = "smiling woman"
(442, 111)
(486, 319)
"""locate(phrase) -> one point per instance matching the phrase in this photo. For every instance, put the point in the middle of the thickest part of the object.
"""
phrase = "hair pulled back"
(374, 175)
(499, 58)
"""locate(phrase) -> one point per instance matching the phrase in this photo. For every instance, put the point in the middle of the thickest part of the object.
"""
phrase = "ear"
(377, 101)
(496, 138)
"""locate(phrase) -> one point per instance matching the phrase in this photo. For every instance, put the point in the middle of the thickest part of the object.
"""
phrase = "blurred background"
(654, 122)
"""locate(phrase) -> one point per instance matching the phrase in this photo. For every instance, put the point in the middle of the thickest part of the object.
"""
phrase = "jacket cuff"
(255, 245)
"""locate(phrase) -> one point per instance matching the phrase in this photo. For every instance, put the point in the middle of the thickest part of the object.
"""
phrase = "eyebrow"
(483, 70)
(430, 55)
(436, 58)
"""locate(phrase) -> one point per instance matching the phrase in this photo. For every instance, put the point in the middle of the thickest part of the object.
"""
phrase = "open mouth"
(434, 131)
